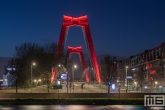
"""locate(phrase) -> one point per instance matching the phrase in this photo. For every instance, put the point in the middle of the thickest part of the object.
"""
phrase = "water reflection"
(78, 107)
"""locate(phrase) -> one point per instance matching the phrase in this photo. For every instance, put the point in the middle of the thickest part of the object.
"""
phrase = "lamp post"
(126, 79)
(119, 91)
(156, 85)
(135, 86)
(59, 70)
(75, 66)
(58, 82)
(135, 82)
(33, 64)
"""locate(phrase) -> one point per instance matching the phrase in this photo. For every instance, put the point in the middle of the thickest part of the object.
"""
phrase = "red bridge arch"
(81, 21)
(81, 56)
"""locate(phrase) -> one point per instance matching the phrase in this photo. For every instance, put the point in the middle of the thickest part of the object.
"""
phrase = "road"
(87, 88)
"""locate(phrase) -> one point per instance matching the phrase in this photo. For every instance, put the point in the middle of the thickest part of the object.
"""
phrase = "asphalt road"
(87, 88)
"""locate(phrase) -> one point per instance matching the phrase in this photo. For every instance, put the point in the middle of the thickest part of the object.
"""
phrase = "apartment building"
(146, 69)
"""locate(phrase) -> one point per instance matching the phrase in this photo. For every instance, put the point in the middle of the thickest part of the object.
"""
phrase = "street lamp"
(119, 90)
(156, 85)
(126, 79)
(135, 82)
(59, 70)
(135, 86)
(75, 66)
(33, 64)
(59, 65)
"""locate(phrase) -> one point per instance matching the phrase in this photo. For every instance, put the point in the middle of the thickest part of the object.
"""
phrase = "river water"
(78, 107)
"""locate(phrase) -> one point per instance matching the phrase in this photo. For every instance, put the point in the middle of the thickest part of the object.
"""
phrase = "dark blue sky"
(118, 27)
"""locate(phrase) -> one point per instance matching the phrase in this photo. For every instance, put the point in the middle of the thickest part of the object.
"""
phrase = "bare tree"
(103, 72)
(110, 68)
(43, 55)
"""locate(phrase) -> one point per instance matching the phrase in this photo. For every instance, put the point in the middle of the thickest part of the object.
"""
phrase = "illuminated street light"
(5, 79)
(126, 79)
(33, 64)
(135, 83)
(75, 66)
(156, 85)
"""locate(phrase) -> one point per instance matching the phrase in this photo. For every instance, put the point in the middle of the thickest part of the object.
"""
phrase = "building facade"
(9, 77)
(146, 69)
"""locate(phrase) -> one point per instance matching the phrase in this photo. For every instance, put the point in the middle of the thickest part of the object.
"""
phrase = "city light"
(126, 78)
(113, 86)
(75, 66)
(34, 64)
(58, 82)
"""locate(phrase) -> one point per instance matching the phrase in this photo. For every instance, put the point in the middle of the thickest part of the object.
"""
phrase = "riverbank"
(74, 101)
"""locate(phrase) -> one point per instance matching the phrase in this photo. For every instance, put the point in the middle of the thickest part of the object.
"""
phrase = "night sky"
(118, 27)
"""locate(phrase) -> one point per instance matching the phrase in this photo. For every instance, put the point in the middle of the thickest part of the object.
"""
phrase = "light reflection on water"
(75, 107)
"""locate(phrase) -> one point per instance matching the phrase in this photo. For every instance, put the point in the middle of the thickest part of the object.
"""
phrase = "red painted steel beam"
(81, 56)
(81, 21)
(53, 74)
(84, 66)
